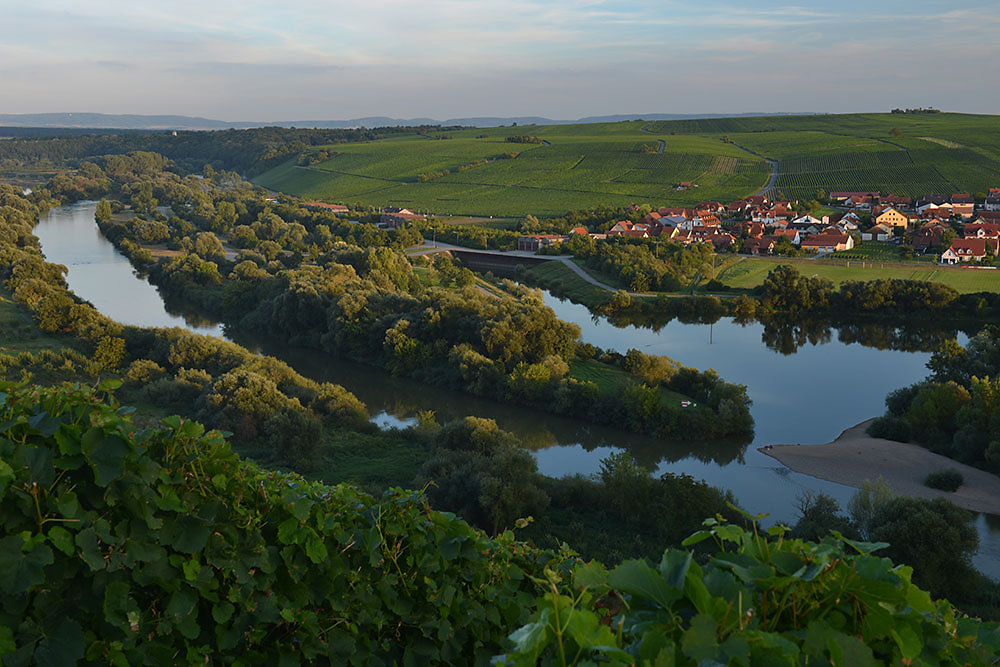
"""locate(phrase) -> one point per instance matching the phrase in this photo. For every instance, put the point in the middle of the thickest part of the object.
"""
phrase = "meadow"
(751, 271)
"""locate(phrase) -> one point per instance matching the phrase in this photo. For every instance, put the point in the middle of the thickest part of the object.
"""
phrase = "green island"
(241, 511)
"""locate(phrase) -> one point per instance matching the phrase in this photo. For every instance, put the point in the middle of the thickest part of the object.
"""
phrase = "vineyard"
(577, 167)
(478, 172)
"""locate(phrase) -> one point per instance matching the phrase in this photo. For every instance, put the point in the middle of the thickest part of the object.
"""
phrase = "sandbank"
(855, 457)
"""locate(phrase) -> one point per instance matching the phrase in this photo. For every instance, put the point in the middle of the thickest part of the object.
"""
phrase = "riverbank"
(855, 457)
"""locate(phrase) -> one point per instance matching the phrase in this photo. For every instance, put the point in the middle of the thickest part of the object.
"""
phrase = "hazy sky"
(310, 59)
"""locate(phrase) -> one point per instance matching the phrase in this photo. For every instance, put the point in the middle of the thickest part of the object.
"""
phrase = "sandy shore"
(855, 457)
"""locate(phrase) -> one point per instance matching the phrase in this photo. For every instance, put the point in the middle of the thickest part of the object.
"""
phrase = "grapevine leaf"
(62, 540)
(20, 570)
(641, 581)
(106, 454)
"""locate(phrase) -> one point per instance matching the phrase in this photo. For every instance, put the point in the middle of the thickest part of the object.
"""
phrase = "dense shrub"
(948, 479)
(891, 428)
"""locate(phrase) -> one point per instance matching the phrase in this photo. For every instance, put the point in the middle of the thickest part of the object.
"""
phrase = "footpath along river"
(807, 397)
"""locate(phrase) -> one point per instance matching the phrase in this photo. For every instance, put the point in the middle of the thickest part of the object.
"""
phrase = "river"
(807, 397)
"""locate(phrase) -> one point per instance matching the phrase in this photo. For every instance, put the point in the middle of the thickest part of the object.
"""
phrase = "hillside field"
(476, 172)
(581, 166)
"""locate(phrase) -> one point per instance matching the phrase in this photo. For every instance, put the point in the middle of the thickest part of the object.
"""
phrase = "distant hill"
(173, 122)
(489, 172)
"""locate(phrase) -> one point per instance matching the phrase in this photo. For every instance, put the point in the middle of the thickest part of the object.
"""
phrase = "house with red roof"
(758, 246)
(828, 241)
(982, 230)
(929, 235)
(963, 204)
(964, 250)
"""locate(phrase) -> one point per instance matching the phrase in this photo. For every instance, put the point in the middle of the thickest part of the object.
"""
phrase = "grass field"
(751, 271)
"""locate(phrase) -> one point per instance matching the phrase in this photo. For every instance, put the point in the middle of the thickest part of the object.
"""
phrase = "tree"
(818, 515)
(935, 537)
(103, 212)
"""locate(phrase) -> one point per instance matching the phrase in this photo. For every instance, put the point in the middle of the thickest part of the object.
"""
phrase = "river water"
(806, 397)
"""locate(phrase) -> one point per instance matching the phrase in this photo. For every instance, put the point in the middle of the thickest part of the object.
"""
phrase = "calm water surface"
(807, 397)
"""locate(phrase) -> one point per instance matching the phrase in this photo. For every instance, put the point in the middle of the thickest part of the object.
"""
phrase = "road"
(426, 248)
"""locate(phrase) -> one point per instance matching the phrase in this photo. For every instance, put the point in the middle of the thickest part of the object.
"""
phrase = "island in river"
(855, 457)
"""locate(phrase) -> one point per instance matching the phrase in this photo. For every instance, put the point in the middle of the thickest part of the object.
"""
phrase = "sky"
(260, 60)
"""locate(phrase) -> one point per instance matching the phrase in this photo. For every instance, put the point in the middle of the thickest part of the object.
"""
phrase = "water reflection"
(807, 385)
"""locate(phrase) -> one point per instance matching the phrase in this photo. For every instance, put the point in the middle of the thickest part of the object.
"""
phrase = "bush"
(948, 479)
(890, 428)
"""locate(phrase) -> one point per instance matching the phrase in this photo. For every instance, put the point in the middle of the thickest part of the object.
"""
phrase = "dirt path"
(855, 457)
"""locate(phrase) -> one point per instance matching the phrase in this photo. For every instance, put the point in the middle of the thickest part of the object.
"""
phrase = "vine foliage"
(161, 546)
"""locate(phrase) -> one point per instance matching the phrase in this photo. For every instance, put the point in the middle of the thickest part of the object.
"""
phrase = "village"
(952, 227)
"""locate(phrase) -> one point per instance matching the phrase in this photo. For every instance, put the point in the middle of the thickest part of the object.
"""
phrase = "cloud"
(447, 58)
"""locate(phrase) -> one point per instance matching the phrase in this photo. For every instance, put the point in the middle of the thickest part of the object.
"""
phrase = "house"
(828, 242)
(929, 235)
(890, 217)
(982, 230)
(943, 210)
(932, 199)
(810, 220)
(863, 202)
(897, 201)
(844, 196)
(621, 226)
(964, 250)
(394, 217)
(672, 220)
(989, 216)
(804, 228)
(682, 212)
(963, 204)
(793, 236)
(880, 232)
(578, 230)
(738, 207)
(534, 242)
(992, 202)
(758, 246)
(710, 206)
(318, 205)
(750, 229)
